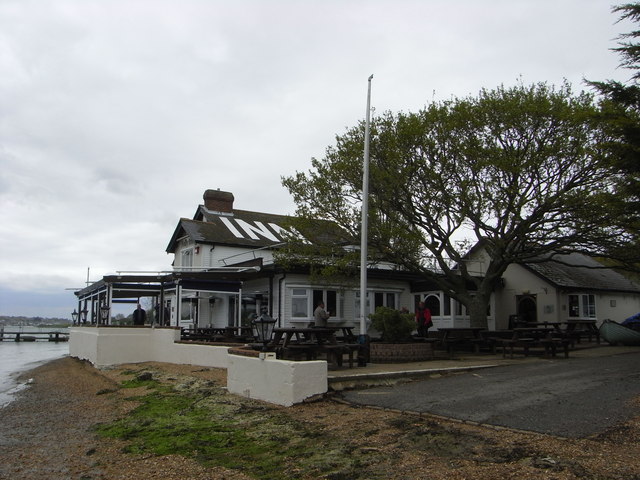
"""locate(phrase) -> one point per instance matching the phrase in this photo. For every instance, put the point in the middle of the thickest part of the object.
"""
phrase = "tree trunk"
(478, 311)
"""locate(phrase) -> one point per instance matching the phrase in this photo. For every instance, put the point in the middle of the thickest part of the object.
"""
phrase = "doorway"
(527, 308)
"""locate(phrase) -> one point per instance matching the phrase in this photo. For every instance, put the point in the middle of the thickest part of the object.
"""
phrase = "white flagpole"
(364, 237)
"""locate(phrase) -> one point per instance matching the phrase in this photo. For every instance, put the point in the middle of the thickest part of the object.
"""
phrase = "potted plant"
(396, 343)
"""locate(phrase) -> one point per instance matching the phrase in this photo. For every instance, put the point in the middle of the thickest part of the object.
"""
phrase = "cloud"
(116, 116)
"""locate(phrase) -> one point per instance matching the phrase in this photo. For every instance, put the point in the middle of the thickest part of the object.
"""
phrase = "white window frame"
(586, 306)
(302, 294)
(186, 253)
(371, 306)
(296, 292)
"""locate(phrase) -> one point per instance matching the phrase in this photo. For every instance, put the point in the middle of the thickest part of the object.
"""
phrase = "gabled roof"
(575, 271)
(239, 228)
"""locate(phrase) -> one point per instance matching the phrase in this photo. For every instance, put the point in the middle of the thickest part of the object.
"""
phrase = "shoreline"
(13, 383)
(45, 428)
(48, 433)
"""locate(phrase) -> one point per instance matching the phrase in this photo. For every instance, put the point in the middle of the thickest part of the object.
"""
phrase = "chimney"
(217, 201)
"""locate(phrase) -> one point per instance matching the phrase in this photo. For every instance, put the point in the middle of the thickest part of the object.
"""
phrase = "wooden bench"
(310, 351)
(549, 345)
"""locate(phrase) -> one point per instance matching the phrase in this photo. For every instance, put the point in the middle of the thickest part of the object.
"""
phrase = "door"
(527, 308)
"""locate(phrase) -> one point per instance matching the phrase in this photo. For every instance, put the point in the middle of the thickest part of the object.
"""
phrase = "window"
(446, 305)
(380, 299)
(299, 303)
(582, 306)
(305, 300)
(367, 309)
(589, 306)
(329, 298)
(441, 304)
(432, 302)
(186, 258)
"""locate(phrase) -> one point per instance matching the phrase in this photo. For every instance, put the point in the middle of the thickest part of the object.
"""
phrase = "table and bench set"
(292, 343)
(334, 343)
(311, 343)
(547, 337)
(217, 334)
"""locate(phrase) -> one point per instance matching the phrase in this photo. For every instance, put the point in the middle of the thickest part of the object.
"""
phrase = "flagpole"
(364, 237)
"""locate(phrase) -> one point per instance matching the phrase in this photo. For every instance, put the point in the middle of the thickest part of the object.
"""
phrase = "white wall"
(104, 346)
(617, 307)
(520, 281)
(552, 306)
(276, 381)
(281, 382)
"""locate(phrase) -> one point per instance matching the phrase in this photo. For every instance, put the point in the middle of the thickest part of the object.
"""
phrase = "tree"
(519, 171)
(620, 113)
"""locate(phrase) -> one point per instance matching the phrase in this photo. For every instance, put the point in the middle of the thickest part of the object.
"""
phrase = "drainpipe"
(280, 302)
(271, 295)
(178, 302)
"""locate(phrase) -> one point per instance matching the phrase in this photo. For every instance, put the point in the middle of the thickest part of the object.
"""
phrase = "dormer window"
(186, 257)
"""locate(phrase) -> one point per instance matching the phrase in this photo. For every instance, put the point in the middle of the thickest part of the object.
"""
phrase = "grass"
(204, 423)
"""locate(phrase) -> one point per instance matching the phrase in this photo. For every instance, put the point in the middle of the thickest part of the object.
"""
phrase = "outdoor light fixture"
(263, 328)
(83, 316)
(104, 313)
(74, 316)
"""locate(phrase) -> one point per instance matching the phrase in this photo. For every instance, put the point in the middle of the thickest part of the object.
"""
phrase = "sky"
(116, 116)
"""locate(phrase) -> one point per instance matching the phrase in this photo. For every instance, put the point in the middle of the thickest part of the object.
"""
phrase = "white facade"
(281, 382)
(534, 297)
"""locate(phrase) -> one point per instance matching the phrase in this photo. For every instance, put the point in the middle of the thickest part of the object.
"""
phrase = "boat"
(617, 334)
(633, 322)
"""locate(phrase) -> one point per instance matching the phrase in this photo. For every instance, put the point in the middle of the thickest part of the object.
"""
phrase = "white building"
(224, 272)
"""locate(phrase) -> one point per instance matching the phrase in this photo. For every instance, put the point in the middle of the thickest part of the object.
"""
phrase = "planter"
(399, 352)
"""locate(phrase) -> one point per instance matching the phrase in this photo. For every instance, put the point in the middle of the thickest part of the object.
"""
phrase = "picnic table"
(310, 342)
(555, 325)
(217, 334)
(549, 338)
(577, 329)
(450, 338)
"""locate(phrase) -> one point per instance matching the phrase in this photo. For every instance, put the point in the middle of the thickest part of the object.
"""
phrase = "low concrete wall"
(103, 346)
(276, 381)
(380, 352)
(281, 382)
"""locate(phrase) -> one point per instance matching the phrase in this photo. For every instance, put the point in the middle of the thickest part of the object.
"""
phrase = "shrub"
(394, 326)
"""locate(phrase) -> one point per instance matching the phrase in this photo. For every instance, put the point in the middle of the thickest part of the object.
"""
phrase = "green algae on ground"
(201, 421)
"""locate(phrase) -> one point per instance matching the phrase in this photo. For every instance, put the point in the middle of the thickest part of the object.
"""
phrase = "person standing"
(423, 319)
(139, 316)
(320, 315)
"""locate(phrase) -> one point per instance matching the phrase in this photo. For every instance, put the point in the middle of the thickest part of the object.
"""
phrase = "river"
(18, 357)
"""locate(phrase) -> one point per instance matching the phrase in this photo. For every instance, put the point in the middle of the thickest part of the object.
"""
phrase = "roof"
(240, 228)
(576, 271)
(144, 285)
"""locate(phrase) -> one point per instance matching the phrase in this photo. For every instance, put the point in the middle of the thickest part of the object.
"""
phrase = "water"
(18, 357)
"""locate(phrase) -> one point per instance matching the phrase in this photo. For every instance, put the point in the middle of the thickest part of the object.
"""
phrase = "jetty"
(14, 336)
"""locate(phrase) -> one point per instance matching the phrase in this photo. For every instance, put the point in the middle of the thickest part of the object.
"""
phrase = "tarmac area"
(595, 389)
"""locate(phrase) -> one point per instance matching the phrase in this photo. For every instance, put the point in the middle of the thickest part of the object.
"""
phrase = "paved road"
(565, 397)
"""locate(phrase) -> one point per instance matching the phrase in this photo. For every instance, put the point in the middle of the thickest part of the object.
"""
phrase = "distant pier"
(12, 336)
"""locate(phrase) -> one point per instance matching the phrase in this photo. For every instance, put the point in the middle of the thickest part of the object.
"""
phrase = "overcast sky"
(116, 116)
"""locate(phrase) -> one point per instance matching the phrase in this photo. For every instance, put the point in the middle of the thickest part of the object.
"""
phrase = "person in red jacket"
(423, 319)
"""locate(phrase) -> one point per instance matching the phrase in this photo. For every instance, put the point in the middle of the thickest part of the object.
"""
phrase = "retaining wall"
(400, 352)
(104, 346)
(282, 382)
(276, 381)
